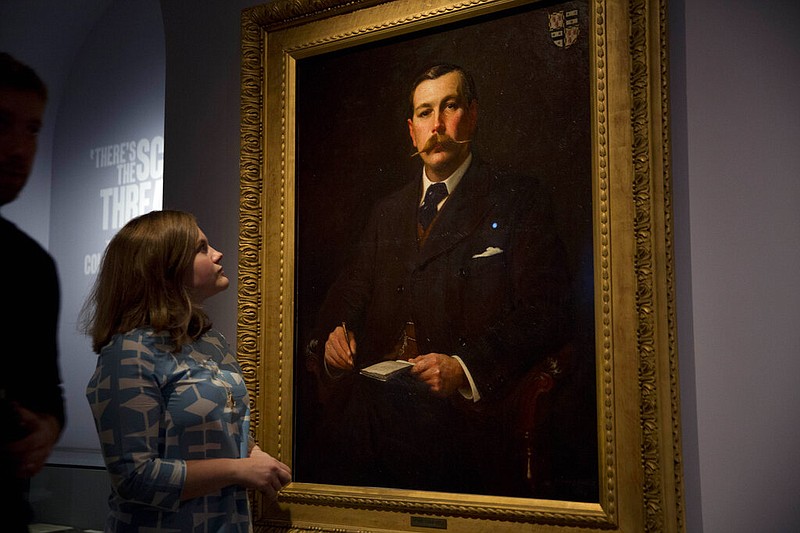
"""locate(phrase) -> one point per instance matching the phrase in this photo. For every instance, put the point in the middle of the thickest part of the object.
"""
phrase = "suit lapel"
(461, 214)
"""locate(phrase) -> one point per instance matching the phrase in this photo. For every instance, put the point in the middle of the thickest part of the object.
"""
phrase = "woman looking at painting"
(168, 397)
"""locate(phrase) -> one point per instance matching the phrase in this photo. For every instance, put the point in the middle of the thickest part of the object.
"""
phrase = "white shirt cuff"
(470, 393)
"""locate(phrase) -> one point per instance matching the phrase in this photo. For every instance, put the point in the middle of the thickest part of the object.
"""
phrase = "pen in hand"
(346, 337)
(347, 341)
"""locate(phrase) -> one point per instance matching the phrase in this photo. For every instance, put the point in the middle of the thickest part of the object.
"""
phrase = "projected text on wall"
(136, 169)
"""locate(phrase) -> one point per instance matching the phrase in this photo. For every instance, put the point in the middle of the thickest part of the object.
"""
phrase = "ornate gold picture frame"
(637, 411)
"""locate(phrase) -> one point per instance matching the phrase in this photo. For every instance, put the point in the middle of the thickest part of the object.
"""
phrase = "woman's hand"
(264, 473)
(259, 471)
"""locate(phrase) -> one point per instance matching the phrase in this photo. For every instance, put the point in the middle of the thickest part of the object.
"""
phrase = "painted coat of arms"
(563, 26)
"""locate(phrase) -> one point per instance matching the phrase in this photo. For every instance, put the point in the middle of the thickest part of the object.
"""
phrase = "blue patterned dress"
(153, 411)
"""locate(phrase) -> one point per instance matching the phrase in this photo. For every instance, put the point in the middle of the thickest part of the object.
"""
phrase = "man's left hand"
(443, 374)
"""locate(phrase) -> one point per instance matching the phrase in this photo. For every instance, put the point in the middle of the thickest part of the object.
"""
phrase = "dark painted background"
(353, 148)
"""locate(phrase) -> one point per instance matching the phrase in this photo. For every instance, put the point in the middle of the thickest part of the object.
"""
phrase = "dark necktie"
(427, 211)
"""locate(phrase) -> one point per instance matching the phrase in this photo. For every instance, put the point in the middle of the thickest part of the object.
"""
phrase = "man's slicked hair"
(439, 70)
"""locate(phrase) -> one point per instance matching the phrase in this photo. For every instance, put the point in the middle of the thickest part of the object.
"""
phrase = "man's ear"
(473, 114)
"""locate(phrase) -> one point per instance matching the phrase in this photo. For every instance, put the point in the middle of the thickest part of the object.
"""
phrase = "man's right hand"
(338, 351)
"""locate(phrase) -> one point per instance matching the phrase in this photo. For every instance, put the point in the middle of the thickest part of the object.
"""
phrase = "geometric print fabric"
(153, 410)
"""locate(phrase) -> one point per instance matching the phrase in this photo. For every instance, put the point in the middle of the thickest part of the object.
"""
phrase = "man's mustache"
(438, 139)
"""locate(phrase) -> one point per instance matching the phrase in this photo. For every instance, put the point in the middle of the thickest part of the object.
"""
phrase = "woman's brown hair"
(142, 281)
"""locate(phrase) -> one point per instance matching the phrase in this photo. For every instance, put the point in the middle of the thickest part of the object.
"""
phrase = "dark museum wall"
(735, 120)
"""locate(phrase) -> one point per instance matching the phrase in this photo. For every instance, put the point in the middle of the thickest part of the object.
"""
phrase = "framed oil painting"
(572, 97)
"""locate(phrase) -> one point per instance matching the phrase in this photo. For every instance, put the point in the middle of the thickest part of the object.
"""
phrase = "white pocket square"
(490, 251)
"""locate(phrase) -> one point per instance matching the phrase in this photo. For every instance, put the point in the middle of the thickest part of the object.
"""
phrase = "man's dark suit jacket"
(30, 374)
(489, 284)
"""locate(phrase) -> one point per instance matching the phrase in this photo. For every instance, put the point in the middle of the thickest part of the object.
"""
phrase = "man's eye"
(424, 113)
